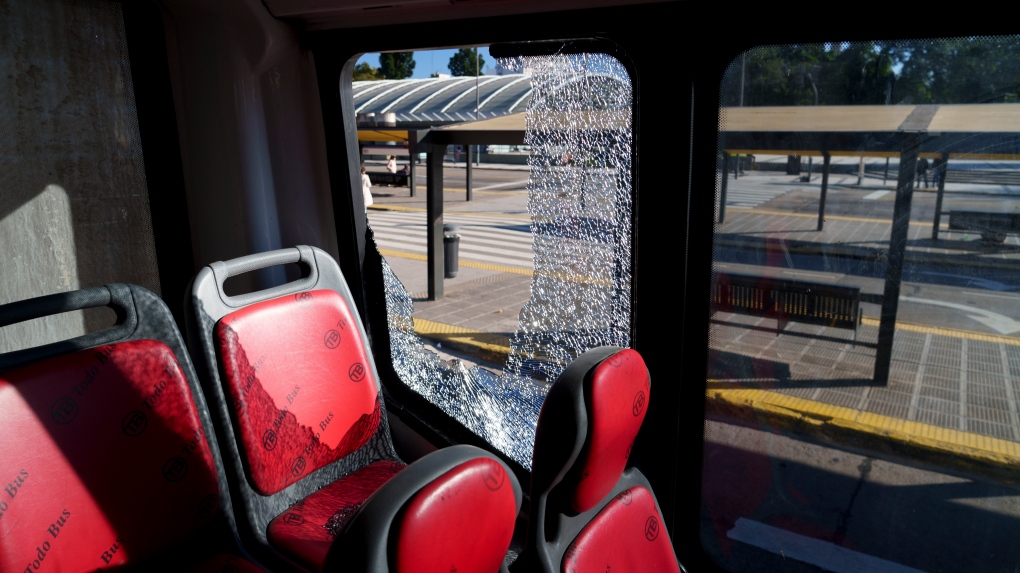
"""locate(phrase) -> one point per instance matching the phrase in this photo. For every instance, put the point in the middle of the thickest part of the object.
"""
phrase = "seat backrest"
(107, 459)
(586, 507)
(453, 510)
(292, 380)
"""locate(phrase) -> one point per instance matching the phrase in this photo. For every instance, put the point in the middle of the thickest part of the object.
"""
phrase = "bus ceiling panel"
(332, 14)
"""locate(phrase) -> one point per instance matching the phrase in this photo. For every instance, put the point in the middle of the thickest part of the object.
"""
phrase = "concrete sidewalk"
(952, 395)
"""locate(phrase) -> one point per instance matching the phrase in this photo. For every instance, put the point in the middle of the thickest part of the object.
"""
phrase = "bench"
(993, 226)
(397, 179)
(787, 300)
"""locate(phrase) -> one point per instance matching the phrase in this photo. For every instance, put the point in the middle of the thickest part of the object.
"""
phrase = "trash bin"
(792, 165)
(451, 251)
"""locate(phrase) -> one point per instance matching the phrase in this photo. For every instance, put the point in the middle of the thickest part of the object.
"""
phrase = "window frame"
(336, 51)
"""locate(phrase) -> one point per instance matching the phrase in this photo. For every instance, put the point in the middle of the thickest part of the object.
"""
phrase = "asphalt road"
(781, 503)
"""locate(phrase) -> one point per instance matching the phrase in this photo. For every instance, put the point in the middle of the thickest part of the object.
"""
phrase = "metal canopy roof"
(988, 130)
(439, 101)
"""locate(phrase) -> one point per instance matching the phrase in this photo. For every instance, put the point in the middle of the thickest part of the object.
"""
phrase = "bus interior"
(800, 229)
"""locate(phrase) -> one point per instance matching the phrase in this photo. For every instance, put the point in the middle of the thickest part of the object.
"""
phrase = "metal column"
(722, 188)
(825, 188)
(412, 149)
(941, 170)
(470, 154)
(434, 218)
(897, 250)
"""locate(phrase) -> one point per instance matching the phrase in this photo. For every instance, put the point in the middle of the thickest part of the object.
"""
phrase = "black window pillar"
(897, 250)
(434, 218)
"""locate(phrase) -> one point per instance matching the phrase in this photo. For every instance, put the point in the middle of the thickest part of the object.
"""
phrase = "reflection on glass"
(865, 331)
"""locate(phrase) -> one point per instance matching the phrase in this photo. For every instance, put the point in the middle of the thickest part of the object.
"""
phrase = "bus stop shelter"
(501, 130)
(942, 132)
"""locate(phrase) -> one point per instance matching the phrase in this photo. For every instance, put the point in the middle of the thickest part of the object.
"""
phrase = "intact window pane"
(865, 331)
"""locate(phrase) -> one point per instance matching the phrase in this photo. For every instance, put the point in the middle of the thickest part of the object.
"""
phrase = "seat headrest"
(463, 521)
(588, 424)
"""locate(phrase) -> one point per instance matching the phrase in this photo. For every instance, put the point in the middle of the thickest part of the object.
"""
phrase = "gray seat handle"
(118, 297)
(302, 255)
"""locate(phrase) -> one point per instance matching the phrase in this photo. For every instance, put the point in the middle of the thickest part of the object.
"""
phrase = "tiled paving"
(939, 376)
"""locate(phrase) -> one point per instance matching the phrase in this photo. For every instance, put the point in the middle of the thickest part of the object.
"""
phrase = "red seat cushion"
(306, 530)
(619, 392)
(627, 535)
(462, 521)
(103, 461)
(301, 384)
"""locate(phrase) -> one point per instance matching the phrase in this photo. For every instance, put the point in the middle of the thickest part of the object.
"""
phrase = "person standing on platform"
(922, 172)
(391, 164)
(366, 188)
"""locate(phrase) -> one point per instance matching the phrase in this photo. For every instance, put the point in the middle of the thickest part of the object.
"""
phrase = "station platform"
(952, 397)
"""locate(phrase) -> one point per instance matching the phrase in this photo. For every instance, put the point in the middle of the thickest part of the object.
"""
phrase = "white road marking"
(875, 195)
(997, 322)
(1002, 296)
(507, 184)
(824, 554)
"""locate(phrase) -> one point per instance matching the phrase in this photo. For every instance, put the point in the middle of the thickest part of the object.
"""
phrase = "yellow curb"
(837, 424)
(490, 347)
(950, 332)
(940, 446)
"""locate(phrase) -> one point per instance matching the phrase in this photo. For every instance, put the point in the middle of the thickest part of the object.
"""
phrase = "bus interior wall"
(246, 122)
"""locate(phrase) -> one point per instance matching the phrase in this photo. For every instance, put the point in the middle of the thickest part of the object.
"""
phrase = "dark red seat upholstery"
(106, 457)
(589, 513)
(299, 407)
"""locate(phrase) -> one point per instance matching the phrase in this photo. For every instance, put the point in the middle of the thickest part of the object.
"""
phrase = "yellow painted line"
(488, 346)
(422, 210)
(817, 153)
(487, 192)
(803, 414)
(890, 154)
(564, 277)
(827, 217)
(469, 264)
(950, 332)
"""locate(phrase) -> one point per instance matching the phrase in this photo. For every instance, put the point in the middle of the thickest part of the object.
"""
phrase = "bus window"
(864, 355)
(550, 223)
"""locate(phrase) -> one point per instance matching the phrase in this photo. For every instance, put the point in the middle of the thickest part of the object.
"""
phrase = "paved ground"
(952, 396)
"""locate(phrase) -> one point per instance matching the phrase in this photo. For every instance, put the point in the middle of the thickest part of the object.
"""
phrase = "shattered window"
(573, 211)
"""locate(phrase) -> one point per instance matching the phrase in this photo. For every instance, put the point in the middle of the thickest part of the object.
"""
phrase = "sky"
(429, 61)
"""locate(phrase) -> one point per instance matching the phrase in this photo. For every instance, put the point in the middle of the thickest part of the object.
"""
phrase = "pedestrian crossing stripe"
(565, 277)
(468, 264)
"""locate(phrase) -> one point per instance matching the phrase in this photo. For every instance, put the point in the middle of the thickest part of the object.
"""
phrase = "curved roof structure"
(439, 101)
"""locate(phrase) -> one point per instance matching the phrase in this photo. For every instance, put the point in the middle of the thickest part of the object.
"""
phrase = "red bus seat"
(106, 458)
(297, 399)
(588, 512)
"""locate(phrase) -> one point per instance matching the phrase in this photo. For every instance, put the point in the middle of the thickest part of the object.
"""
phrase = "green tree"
(950, 71)
(365, 72)
(964, 70)
(396, 65)
(463, 63)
